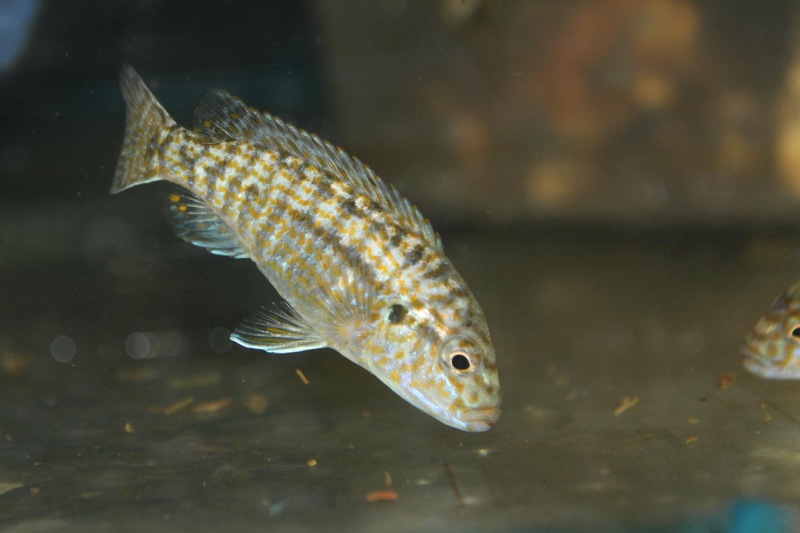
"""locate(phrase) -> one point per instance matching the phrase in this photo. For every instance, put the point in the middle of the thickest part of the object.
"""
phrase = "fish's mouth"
(754, 365)
(753, 361)
(481, 419)
(751, 352)
(761, 366)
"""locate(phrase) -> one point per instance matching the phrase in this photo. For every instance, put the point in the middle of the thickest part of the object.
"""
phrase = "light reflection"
(63, 349)
(150, 344)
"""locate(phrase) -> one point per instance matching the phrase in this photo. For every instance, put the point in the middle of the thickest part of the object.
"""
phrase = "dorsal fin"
(194, 222)
(222, 116)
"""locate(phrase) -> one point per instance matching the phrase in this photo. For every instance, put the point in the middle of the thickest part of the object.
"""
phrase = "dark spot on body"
(251, 192)
(377, 228)
(396, 314)
(438, 272)
(414, 255)
(397, 238)
(324, 187)
(349, 206)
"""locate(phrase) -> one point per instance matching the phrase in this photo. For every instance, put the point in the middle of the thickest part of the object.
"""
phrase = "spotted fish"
(772, 348)
(360, 270)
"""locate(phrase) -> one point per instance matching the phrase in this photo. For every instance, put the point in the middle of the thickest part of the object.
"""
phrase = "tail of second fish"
(146, 122)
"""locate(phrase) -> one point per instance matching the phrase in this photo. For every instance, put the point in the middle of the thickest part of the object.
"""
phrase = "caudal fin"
(146, 120)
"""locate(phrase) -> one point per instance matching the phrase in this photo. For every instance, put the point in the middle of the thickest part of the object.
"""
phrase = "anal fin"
(278, 329)
(195, 222)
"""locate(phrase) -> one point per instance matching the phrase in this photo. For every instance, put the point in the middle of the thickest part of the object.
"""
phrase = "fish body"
(360, 270)
(772, 348)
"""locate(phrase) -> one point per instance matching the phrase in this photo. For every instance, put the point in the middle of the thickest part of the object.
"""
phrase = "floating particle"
(173, 408)
(381, 496)
(690, 440)
(128, 427)
(726, 379)
(302, 376)
(766, 417)
(212, 407)
(627, 403)
(387, 479)
(311, 462)
(693, 420)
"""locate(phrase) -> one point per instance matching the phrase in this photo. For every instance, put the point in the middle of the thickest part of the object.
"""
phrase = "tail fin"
(146, 119)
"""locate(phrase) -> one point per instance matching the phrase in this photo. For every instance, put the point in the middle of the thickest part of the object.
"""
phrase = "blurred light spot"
(219, 340)
(149, 344)
(62, 349)
(256, 403)
(457, 12)
(137, 346)
(557, 182)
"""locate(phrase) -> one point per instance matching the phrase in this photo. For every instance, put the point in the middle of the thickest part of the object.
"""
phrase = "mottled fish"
(360, 269)
(772, 348)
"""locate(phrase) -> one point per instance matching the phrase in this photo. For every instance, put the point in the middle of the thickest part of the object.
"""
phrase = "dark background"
(62, 116)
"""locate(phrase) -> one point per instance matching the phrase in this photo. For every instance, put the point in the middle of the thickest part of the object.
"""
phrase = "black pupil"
(460, 362)
(796, 332)
(397, 313)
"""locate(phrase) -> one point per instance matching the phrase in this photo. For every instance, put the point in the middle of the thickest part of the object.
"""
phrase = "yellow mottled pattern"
(772, 348)
(361, 269)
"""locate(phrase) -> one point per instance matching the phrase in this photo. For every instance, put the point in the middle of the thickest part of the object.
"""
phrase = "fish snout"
(481, 419)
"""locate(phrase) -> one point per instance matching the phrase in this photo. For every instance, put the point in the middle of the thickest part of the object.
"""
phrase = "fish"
(772, 347)
(359, 269)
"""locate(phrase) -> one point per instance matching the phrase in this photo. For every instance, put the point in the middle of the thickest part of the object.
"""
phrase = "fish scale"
(360, 270)
(772, 347)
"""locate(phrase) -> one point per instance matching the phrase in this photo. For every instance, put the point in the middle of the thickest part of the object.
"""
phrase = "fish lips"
(481, 419)
(753, 362)
(757, 364)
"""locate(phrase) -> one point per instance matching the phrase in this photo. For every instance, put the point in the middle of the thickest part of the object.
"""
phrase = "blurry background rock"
(657, 110)
(645, 111)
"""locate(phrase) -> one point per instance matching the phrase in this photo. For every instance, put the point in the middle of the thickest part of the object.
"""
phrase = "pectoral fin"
(277, 329)
(195, 222)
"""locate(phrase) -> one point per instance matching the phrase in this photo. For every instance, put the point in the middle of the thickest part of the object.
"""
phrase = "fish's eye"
(460, 362)
(396, 314)
(795, 332)
(460, 356)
